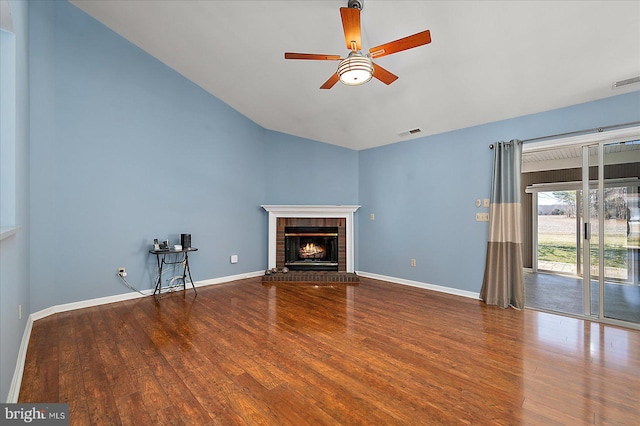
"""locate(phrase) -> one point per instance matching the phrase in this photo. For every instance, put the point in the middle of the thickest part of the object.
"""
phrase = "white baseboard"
(14, 390)
(439, 288)
(229, 278)
(133, 295)
(88, 303)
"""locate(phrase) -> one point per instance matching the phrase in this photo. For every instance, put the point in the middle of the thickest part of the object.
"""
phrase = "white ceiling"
(488, 61)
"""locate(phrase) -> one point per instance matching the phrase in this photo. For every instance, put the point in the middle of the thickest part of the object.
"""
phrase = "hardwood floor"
(300, 353)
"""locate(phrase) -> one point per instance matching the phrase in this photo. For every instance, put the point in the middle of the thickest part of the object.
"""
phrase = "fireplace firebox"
(311, 248)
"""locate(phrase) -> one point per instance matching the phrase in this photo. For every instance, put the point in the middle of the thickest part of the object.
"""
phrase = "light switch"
(234, 258)
(486, 202)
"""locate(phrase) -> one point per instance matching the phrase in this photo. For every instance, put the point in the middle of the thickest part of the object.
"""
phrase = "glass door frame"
(586, 231)
(598, 140)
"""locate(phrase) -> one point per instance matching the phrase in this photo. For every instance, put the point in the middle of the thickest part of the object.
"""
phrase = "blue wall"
(7, 128)
(423, 193)
(310, 172)
(14, 251)
(125, 150)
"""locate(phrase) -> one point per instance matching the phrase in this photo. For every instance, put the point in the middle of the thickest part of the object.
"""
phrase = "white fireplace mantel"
(277, 211)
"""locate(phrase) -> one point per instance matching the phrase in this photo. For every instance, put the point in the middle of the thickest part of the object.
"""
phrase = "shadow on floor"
(562, 293)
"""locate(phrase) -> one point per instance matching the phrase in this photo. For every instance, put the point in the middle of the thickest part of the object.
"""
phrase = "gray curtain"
(503, 283)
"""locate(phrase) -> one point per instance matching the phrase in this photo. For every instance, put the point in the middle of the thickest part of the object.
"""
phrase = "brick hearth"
(312, 276)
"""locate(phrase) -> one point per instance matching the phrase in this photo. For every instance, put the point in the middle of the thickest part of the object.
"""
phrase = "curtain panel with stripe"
(503, 282)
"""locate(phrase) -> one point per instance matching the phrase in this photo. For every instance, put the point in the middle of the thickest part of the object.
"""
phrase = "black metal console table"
(180, 257)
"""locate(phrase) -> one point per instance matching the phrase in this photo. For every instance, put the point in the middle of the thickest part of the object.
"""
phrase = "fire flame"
(311, 250)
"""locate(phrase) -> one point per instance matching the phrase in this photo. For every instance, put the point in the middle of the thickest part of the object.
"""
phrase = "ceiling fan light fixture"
(355, 69)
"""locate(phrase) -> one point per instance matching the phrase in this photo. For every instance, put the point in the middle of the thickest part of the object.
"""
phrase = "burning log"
(312, 251)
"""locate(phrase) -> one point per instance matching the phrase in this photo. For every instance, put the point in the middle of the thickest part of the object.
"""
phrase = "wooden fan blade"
(351, 24)
(313, 56)
(332, 80)
(409, 42)
(383, 75)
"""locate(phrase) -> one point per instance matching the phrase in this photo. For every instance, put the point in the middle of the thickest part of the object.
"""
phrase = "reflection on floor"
(563, 293)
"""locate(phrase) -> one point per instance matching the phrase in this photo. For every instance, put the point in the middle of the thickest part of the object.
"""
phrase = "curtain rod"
(579, 132)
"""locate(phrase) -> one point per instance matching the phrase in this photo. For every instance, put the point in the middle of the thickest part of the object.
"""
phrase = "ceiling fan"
(358, 68)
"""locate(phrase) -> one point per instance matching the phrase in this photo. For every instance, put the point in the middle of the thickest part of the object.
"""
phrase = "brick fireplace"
(311, 220)
(311, 244)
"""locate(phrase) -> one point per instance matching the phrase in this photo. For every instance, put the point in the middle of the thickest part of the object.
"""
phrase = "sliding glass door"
(620, 223)
(586, 233)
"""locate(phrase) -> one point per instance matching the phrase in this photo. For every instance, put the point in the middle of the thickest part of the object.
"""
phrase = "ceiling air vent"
(622, 83)
(410, 132)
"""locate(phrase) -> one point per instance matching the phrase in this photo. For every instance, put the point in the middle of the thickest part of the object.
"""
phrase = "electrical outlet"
(413, 262)
(372, 216)
(234, 258)
(482, 217)
(19, 311)
(122, 272)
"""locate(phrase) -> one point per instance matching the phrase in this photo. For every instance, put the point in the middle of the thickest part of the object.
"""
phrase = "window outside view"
(558, 229)
(557, 232)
